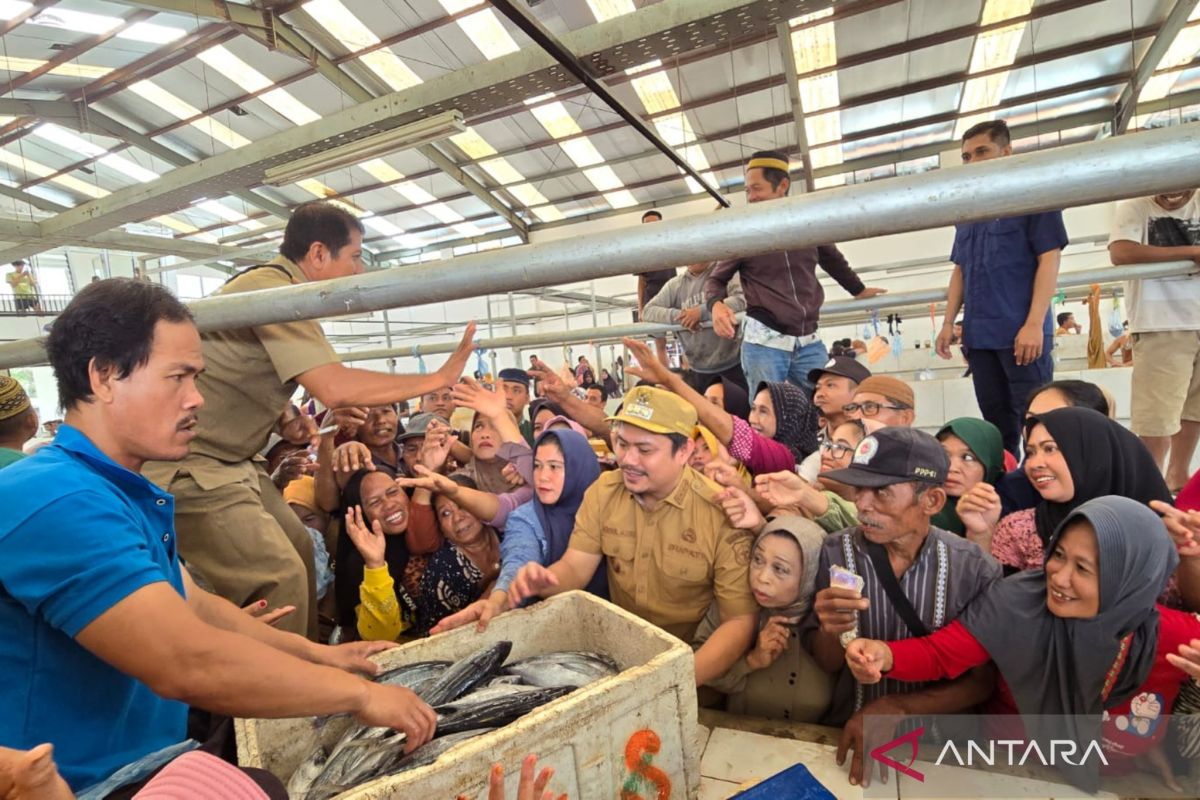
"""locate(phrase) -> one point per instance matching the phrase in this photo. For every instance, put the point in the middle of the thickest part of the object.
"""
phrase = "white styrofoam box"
(583, 736)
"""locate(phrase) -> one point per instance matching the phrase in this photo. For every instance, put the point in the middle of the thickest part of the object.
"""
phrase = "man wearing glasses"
(884, 399)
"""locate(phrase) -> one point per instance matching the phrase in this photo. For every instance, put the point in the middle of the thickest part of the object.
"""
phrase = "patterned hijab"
(797, 421)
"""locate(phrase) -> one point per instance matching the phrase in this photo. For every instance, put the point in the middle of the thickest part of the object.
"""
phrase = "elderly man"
(885, 399)
(915, 579)
(234, 527)
(106, 638)
(18, 421)
(670, 550)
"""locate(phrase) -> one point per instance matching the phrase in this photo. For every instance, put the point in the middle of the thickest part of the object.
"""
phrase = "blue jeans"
(771, 364)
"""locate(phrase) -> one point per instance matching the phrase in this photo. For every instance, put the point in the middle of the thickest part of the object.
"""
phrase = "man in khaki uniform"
(670, 550)
(233, 526)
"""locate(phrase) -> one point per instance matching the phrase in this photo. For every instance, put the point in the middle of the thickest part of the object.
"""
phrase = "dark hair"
(651, 213)
(858, 423)
(464, 480)
(318, 221)
(996, 129)
(1079, 394)
(602, 390)
(678, 440)
(773, 176)
(111, 322)
(542, 404)
(1063, 317)
(12, 426)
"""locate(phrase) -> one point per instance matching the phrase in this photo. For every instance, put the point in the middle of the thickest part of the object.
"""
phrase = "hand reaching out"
(741, 509)
(470, 394)
(771, 644)
(649, 367)
(370, 540)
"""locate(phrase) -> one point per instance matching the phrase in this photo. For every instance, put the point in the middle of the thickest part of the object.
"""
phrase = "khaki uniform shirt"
(250, 373)
(667, 565)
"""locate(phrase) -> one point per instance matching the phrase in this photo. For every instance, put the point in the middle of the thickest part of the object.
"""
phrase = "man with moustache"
(107, 640)
(657, 527)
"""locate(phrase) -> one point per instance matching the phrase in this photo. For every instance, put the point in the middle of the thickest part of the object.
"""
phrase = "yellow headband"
(768, 163)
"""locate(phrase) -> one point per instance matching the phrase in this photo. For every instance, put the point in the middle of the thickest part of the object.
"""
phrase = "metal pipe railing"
(841, 312)
(1134, 165)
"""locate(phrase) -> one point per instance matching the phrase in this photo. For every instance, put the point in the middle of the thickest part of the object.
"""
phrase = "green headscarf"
(985, 441)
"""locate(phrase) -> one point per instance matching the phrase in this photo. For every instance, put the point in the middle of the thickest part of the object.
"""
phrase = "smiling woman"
(1073, 455)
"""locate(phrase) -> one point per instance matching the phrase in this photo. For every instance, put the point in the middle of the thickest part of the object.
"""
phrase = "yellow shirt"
(378, 614)
(250, 373)
(667, 565)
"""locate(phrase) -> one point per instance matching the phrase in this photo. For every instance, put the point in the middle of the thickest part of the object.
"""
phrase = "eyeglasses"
(871, 408)
(837, 449)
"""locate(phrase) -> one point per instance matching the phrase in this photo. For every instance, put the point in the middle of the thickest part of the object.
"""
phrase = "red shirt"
(1130, 729)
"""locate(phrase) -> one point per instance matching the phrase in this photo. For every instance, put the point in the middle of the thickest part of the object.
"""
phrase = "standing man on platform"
(234, 527)
(1005, 272)
(783, 297)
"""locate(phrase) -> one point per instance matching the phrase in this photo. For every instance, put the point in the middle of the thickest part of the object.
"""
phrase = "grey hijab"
(809, 536)
(1058, 666)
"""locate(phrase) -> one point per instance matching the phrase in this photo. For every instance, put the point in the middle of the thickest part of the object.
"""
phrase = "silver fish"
(491, 692)
(410, 675)
(431, 751)
(312, 766)
(465, 674)
(568, 668)
(465, 715)
(357, 762)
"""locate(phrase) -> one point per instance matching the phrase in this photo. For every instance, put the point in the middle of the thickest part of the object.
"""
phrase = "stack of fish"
(471, 697)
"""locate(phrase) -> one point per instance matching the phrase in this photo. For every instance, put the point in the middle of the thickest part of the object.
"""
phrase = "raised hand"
(456, 365)
(1183, 526)
(470, 394)
(649, 367)
(436, 448)
(369, 540)
(351, 457)
(785, 489)
(553, 386)
(740, 508)
(428, 479)
(979, 510)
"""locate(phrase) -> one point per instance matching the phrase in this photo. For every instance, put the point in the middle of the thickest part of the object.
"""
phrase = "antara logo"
(1012, 752)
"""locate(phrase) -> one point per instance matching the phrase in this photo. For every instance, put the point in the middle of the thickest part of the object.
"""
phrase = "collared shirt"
(937, 602)
(250, 373)
(79, 534)
(667, 565)
(999, 259)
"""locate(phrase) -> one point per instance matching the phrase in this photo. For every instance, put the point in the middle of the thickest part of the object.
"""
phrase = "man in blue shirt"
(106, 640)
(1005, 271)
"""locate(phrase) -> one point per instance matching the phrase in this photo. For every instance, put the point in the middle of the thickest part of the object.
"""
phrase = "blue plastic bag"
(794, 783)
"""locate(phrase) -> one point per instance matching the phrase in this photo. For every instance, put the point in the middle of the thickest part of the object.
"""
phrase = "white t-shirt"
(1160, 304)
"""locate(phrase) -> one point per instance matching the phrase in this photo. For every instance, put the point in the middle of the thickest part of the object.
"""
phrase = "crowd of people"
(230, 524)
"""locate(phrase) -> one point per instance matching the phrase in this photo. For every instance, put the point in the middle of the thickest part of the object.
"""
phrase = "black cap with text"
(894, 455)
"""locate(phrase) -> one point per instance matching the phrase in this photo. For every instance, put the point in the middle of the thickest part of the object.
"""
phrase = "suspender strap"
(891, 587)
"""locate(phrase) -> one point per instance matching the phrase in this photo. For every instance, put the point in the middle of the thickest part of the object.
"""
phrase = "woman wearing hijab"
(976, 452)
(373, 556)
(1073, 455)
(1080, 644)
(779, 433)
(778, 678)
(564, 466)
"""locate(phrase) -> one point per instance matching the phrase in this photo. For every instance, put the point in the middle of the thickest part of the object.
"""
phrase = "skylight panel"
(69, 69)
(815, 48)
(605, 10)
(1182, 50)
(179, 109)
(251, 80)
(355, 36)
(993, 49)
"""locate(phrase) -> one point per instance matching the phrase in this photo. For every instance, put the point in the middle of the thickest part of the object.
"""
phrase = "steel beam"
(541, 35)
(784, 34)
(840, 312)
(1175, 22)
(40, 203)
(27, 235)
(1136, 165)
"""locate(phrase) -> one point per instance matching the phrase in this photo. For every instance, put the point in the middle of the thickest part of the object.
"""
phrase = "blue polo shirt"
(79, 533)
(999, 261)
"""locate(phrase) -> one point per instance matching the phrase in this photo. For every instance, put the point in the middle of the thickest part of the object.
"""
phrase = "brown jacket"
(782, 290)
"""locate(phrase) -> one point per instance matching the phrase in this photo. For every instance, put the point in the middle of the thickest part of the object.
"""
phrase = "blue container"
(794, 783)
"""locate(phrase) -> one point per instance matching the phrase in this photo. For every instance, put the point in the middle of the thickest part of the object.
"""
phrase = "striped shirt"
(948, 573)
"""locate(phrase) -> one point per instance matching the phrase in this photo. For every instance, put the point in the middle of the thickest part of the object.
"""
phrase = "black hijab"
(1104, 459)
(797, 421)
(1057, 666)
(737, 401)
(348, 571)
